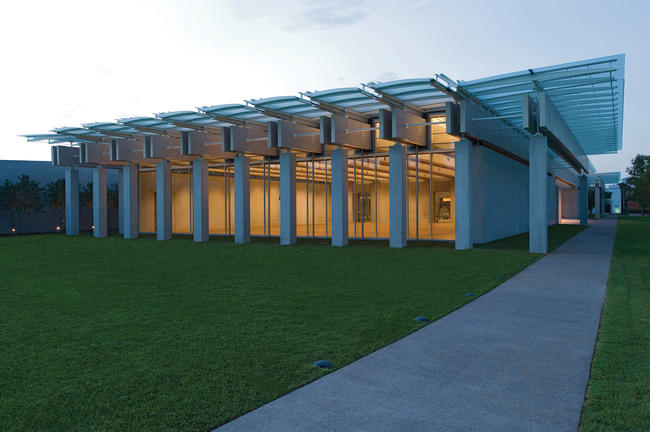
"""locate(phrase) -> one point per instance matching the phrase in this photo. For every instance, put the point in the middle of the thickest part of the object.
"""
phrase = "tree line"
(26, 197)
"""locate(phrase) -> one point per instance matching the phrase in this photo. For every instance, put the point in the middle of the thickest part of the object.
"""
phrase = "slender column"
(538, 194)
(129, 200)
(398, 194)
(242, 200)
(340, 235)
(71, 201)
(583, 200)
(163, 201)
(287, 198)
(200, 199)
(557, 205)
(120, 205)
(99, 202)
(597, 200)
(463, 195)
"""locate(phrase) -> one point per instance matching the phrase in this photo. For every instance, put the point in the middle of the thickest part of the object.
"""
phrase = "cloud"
(385, 76)
(309, 15)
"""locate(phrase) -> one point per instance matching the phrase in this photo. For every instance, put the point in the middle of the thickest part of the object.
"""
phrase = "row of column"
(128, 211)
(538, 203)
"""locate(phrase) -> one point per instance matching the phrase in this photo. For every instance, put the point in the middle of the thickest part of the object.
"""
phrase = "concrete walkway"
(516, 359)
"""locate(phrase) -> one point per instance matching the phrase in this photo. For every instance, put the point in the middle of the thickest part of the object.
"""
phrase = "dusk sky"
(71, 62)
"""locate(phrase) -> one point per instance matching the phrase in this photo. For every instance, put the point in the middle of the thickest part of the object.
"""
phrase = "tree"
(642, 190)
(20, 200)
(638, 173)
(112, 195)
(86, 195)
(54, 194)
(626, 195)
(639, 165)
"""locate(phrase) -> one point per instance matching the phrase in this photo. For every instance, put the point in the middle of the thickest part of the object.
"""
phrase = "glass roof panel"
(192, 118)
(349, 98)
(237, 112)
(291, 105)
(416, 91)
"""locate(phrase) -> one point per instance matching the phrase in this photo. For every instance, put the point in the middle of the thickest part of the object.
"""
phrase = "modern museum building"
(406, 160)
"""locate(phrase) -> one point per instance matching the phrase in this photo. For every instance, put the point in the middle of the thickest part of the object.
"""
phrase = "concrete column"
(583, 200)
(287, 198)
(99, 202)
(340, 234)
(71, 201)
(129, 200)
(163, 201)
(463, 194)
(242, 200)
(120, 206)
(398, 191)
(200, 199)
(538, 194)
(597, 201)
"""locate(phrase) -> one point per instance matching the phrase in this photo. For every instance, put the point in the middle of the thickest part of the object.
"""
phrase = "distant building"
(613, 204)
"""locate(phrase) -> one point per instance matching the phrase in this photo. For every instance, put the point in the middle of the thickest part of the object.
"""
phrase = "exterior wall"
(44, 172)
(500, 195)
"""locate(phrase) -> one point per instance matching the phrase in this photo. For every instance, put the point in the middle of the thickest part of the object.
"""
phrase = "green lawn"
(618, 395)
(114, 334)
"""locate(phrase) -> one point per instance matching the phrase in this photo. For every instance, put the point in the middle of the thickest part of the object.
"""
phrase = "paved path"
(515, 359)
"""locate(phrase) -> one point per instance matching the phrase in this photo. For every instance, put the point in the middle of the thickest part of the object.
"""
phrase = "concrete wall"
(43, 172)
(500, 195)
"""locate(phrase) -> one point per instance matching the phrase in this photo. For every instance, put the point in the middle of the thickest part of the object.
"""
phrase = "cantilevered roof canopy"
(588, 95)
(586, 99)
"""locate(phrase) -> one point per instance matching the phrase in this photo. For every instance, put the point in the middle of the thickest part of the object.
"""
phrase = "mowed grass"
(618, 395)
(113, 334)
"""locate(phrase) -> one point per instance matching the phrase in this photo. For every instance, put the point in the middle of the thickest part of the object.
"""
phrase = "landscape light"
(13, 230)
(58, 228)
(92, 226)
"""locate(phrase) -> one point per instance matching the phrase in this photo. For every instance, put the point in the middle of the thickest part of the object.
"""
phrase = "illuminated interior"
(430, 193)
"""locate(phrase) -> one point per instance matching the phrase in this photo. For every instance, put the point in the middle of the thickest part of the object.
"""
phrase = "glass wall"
(431, 196)
(313, 197)
(265, 198)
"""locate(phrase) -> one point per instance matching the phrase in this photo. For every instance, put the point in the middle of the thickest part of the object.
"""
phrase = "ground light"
(323, 364)
(422, 319)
